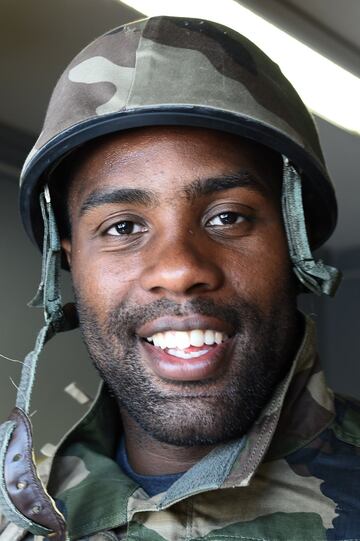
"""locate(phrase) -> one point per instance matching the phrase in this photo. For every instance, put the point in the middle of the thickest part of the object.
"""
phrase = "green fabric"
(209, 473)
(317, 277)
(48, 294)
(48, 297)
(276, 526)
(348, 430)
(94, 452)
(279, 526)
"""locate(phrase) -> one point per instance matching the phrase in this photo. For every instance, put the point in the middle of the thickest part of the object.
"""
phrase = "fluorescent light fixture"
(329, 90)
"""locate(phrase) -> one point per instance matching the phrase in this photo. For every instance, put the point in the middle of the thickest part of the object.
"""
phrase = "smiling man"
(180, 179)
(187, 313)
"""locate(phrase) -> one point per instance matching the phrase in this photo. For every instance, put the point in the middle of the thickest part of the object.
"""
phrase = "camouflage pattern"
(294, 477)
(168, 70)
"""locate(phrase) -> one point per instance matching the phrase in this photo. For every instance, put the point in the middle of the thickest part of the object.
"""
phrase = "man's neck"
(148, 456)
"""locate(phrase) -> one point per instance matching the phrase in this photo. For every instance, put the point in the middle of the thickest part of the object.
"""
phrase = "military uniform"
(293, 477)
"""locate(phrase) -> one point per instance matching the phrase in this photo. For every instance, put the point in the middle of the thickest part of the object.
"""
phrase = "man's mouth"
(187, 344)
(193, 348)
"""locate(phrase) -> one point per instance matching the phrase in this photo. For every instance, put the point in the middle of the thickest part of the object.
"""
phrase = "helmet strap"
(48, 293)
(47, 297)
(37, 513)
(314, 275)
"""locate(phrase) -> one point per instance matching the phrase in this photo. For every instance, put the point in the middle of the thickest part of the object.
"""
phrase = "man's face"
(182, 278)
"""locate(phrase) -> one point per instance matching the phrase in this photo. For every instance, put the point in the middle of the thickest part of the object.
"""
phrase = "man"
(179, 163)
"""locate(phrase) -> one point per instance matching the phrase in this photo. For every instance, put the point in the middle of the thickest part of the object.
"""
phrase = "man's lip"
(187, 323)
(168, 367)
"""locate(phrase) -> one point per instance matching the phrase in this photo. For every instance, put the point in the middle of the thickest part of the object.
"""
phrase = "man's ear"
(66, 246)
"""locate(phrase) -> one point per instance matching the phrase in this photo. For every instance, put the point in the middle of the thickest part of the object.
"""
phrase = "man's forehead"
(195, 154)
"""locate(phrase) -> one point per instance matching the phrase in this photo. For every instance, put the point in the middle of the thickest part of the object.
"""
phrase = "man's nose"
(182, 267)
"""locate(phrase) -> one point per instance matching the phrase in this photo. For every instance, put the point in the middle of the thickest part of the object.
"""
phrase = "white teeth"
(162, 341)
(170, 339)
(181, 340)
(156, 340)
(209, 337)
(197, 338)
(218, 337)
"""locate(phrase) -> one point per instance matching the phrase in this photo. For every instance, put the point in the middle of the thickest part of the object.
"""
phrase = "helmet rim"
(37, 170)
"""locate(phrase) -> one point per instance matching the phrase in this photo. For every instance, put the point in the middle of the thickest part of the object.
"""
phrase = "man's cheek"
(107, 275)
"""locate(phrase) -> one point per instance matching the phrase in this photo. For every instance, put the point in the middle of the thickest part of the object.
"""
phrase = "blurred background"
(37, 40)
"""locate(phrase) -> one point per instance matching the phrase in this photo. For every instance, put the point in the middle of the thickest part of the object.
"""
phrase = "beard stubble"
(200, 412)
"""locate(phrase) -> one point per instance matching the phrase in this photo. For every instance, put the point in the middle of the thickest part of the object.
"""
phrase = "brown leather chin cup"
(23, 484)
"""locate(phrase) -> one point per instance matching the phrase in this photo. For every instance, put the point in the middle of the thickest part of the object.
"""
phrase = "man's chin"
(188, 430)
(193, 416)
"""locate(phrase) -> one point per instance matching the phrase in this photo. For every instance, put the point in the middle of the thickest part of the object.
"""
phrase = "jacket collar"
(84, 469)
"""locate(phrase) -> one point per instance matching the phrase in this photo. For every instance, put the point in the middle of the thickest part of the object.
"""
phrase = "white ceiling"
(38, 40)
(342, 17)
(329, 26)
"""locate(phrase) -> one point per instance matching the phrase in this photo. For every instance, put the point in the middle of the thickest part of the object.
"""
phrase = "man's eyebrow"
(206, 186)
(120, 195)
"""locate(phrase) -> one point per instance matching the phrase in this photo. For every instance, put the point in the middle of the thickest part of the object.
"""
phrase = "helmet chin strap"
(314, 275)
(47, 297)
(23, 498)
(48, 294)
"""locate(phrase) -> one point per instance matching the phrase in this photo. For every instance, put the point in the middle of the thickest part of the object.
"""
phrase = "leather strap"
(23, 484)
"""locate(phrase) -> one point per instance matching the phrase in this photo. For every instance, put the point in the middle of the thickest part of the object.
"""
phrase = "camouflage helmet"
(177, 71)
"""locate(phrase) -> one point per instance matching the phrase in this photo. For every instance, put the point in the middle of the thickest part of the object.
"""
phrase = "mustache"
(129, 317)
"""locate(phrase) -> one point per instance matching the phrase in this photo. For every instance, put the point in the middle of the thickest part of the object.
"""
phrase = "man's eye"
(227, 218)
(126, 227)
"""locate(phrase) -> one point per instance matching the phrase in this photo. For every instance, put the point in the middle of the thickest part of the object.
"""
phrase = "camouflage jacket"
(294, 477)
